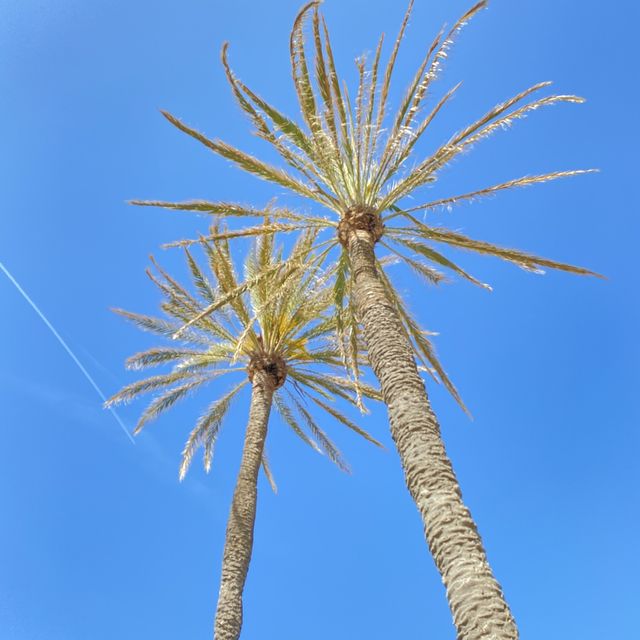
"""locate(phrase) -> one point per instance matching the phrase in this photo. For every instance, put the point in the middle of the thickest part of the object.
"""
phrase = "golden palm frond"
(353, 156)
(222, 324)
(525, 181)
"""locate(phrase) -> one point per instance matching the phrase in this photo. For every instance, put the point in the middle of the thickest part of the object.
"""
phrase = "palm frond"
(167, 400)
(221, 264)
(140, 387)
(434, 256)
(161, 327)
(525, 181)
(328, 385)
(397, 150)
(400, 126)
(200, 280)
(524, 260)
(268, 474)
(300, 70)
(264, 131)
(431, 275)
(324, 84)
(371, 103)
(386, 83)
(323, 440)
(337, 97)
(480, 129)
(253, 165)
(287, 415)
(223, 209)
(215, 355)
(441, 54)
(207, 429)
(158, 356)
(509, 118)
(258, 230)
(404, 153)
(340, 417)
(181, 305)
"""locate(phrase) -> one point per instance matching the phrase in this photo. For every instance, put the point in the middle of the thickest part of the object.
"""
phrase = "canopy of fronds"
(223, 325)
(350, 154)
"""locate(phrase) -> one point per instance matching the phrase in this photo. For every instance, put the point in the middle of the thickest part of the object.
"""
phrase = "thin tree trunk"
(239, 538)
(477, 603)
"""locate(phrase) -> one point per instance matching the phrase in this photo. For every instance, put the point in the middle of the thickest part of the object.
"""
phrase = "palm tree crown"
(352, 158)
(274, 321)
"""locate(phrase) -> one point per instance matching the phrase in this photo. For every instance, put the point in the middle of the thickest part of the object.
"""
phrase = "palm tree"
(276, 336)
(352, 157)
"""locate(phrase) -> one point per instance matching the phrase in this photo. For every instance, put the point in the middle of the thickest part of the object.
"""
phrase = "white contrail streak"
(66, 348)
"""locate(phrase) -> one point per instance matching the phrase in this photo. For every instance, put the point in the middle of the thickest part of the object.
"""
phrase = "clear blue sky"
(99, 540)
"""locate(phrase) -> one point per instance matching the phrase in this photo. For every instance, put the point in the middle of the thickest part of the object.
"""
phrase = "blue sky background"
(99, 540)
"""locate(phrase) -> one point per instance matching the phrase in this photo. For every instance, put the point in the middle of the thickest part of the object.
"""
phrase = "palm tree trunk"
(239, 538)
(477, 603)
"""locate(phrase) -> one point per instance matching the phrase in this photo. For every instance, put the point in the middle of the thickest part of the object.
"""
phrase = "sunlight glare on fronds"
(280, 310)
(350, 157)
(488, 191)
(207, 429)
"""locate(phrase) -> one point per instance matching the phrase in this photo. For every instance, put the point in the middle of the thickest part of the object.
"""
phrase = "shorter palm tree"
(277, 336)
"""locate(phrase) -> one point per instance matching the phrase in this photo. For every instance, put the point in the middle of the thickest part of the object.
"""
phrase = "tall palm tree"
(276, 336)
(353, 158)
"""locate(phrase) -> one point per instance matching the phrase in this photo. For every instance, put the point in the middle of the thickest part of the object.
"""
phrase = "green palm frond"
(280, 309)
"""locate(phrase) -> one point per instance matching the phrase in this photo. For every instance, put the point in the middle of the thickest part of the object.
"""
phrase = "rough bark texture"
(239, 538)
(477, 603)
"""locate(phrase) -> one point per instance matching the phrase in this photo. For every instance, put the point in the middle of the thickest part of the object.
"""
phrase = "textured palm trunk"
(476, 600)
(239, 538)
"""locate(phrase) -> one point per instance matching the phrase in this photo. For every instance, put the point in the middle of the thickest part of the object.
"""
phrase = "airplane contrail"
(66, 348)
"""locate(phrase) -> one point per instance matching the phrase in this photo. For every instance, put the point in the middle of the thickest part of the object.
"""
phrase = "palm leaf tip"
(471, 196)
(483, 4)
(266, 467)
